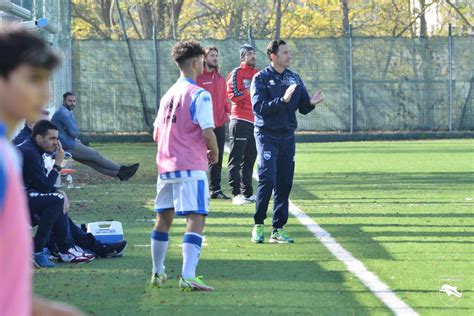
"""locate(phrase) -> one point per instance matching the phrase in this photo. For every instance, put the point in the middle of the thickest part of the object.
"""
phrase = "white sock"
(159, 247)
(191, 252)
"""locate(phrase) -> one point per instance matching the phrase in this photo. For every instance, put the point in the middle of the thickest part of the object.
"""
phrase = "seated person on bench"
(44, 201)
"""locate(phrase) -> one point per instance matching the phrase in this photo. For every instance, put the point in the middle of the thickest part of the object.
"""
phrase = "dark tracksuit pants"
(47, 211)
(77, 236)
(215, 170)
(241, 157)
(276, 168)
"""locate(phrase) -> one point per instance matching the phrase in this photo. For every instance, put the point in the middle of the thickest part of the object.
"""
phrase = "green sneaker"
(194, 284)
(157, 280)
(257, 234)
(280, 237)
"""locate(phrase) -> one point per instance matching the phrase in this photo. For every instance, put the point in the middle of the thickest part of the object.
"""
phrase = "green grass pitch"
(405, 209)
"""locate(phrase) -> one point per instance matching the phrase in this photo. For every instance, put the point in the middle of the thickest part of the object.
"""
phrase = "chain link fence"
(370, 84)
(58, 34)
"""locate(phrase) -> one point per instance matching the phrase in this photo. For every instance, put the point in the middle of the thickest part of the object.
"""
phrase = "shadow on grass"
(120, 286)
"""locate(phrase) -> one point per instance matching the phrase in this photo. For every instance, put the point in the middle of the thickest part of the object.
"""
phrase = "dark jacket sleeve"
(34, 173)
(262, 103)
(304, 106)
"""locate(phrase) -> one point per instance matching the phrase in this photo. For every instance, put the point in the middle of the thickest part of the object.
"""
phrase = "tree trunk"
(145, 15)
(345, 16)
(278, 19)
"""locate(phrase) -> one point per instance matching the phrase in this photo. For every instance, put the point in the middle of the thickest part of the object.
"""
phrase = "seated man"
(68, 133)
(45, 202)
(77, 235)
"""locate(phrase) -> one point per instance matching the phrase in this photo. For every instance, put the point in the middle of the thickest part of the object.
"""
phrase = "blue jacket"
(68, 131)
(23, 135)
(34, 173)
(272, 115)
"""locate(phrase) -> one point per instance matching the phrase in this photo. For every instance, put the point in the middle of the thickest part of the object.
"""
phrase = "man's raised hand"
(317, 98)
(289, 92)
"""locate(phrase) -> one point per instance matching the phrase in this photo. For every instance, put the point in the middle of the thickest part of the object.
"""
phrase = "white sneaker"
(251, 198)
(73, 255)
(86, 253)
(240, 200)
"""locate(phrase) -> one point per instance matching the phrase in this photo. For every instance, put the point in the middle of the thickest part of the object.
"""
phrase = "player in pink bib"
(25, 65)
(186, 141)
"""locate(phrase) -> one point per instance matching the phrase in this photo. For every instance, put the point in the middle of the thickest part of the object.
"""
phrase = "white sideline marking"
(356, 267)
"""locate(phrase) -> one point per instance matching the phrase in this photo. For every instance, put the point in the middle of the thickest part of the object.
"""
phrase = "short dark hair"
(19, 46)
(273, 46)
(42, 127)
(67, 94)
(185, 50)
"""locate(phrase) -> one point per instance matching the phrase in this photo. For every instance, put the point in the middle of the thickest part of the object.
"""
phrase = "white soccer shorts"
(187, 194)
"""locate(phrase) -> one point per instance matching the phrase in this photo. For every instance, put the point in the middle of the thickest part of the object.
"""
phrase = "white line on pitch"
(356, 267)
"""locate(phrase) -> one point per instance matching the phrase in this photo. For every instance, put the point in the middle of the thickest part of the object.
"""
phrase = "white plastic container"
(106, 232)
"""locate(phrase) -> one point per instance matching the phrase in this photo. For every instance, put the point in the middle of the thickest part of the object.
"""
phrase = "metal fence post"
(450, 74)
(351, 81)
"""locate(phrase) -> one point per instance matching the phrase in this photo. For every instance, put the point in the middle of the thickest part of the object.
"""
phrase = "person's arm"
(43, 307)
(304, 106)
(261, 102)
(155, 130)
(35, 172)
(69, 124)
(225, 97)
(66, 201)
(211, 142)
(236, 90)
(203, 116)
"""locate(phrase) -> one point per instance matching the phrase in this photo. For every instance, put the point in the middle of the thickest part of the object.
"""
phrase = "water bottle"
(69, 182)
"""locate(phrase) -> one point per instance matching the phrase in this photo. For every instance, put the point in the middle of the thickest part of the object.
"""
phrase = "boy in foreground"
(26, 63)
(186, 141)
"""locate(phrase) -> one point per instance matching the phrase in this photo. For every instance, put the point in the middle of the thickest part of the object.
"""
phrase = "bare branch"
(459, 12)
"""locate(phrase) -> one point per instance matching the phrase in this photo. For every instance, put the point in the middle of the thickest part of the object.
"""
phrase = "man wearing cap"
(214, 82)
(241, 137)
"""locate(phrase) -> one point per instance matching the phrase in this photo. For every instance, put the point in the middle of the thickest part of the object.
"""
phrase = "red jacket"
(214, 83)
(238, 90)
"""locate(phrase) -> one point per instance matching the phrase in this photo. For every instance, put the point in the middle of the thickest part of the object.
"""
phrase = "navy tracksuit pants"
(215, 170)
(276, 167)
(46, 210)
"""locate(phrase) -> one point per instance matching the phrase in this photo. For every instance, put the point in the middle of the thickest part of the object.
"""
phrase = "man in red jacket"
(243, 151)
(214, 82)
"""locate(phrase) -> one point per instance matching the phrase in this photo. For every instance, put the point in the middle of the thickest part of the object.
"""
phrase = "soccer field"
(404, 209)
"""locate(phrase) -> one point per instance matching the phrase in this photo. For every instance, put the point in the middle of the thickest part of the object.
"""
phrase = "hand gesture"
(317, 98)
(213, 157)
(289, 92)
(66, 202)
(59, 154)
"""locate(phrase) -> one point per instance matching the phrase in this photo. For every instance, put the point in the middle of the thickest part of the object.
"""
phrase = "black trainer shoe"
(219, 195)
(126, 172)
(112, 250)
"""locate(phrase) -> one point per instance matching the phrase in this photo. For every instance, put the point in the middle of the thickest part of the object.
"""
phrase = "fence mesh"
(399, 84)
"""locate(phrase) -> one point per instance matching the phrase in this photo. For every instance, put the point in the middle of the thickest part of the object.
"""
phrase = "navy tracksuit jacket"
(45, 203)
(275, 124)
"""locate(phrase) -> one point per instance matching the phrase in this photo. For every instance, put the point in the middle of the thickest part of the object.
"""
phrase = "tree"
(221, 19)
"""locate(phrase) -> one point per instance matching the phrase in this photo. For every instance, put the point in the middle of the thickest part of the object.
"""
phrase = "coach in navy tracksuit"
(45, 203)
(277, 93)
